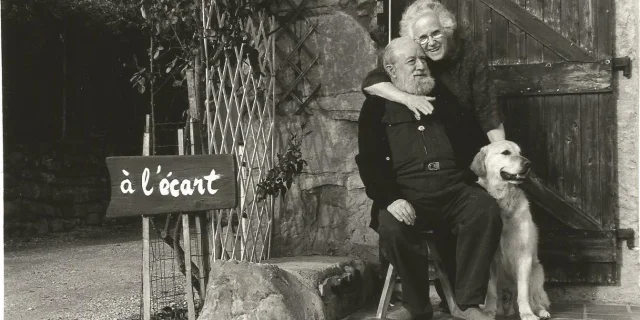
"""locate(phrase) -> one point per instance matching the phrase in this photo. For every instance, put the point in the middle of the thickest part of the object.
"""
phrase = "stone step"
(396, 311)
(345, 284)
(561, 310)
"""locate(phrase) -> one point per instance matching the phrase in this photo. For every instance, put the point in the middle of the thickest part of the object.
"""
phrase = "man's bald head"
(393, 46)
(406, 63)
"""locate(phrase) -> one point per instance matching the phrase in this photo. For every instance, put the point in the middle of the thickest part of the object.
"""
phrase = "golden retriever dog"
(500, 169)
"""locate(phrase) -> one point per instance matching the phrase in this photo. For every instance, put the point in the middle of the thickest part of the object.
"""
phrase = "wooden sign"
(163, 184)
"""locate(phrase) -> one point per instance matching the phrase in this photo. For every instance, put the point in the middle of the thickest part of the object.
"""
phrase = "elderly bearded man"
(409, 170)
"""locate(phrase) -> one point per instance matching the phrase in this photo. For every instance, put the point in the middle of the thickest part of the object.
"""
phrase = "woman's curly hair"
(421, 7)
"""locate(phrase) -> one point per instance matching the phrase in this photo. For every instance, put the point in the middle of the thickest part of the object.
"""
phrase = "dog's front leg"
(523, 275)
(491, 301)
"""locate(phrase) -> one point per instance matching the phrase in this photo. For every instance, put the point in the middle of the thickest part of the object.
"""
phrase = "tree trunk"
(196, 90)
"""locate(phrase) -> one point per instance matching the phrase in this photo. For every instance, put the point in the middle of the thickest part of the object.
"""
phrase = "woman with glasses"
(460, 68)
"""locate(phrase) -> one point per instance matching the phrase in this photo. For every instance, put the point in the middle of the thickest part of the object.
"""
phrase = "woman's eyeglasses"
(434, 36)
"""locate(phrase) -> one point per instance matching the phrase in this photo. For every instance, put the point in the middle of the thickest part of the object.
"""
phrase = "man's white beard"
(420, 86)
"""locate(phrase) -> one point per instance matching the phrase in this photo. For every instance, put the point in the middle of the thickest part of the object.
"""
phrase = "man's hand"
(418, 104)
(403, 211)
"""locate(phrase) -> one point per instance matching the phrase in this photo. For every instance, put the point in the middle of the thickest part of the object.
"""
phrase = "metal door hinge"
(622, 64)
(628, 235)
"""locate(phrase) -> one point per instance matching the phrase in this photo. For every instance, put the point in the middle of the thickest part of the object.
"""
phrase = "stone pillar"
(327, 211)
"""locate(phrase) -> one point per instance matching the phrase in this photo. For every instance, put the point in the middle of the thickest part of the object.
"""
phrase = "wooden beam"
(539, 30)
(547, 199)
(587, 246)
(552, 78)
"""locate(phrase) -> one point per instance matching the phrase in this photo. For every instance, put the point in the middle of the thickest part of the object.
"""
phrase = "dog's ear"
(477, 166)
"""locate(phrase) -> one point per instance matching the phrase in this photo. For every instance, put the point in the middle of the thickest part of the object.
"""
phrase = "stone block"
(57, 225)
(15, 159)
(10, 180)
(63, 194)
(243, 290)
(96, 207)
(42, 226)
(347, 54)
(67, 210)
(69, 224)
(47, 177)
(93, 219)
(42, 191)
(344, 106)
(12, 209)
(326, 220)
(80, 210)
(48, 164)
(344, 283)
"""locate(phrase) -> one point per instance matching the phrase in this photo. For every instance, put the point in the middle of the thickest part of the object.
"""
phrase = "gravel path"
(92, 273)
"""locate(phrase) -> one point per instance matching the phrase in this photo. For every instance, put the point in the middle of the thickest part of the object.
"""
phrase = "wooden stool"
(391, 278)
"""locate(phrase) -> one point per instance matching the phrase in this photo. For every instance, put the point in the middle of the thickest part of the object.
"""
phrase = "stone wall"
(327, 211)
(54, 187)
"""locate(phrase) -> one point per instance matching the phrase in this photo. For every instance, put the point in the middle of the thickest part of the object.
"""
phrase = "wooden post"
(214, 241)
(186, 239)
(64, 76)
(387, 291)
(186, 243)
(201, 241)
(243, 195)
(444, 280)
(146, 259)
(202, 244)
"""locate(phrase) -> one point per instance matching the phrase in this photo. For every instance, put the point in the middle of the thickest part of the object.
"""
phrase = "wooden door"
(551, 63)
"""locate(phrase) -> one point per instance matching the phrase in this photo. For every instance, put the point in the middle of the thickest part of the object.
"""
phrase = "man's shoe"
(474, 313)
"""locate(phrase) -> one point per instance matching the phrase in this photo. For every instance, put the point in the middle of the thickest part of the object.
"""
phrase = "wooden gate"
(551, 63)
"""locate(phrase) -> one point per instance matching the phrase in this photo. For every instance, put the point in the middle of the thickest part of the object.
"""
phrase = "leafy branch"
(290, 164)
(177, 30)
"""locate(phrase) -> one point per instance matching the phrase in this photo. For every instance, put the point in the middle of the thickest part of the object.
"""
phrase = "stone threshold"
(560, 310)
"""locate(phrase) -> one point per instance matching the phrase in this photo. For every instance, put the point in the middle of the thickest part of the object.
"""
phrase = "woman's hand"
(496, 134)
(419, 104)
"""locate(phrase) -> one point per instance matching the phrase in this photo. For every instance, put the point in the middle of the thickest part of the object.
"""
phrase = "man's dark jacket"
(374, 158)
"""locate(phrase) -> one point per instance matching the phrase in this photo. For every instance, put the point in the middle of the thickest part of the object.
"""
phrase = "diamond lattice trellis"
(289, 61)
(241, 114)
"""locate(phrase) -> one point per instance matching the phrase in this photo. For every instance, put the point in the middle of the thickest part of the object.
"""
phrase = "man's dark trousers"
(467, 226)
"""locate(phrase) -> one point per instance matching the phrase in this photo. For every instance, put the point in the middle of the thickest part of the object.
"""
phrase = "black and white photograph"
(320, 159)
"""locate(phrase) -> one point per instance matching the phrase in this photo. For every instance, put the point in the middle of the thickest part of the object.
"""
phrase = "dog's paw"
(544, 314)
(529, 316)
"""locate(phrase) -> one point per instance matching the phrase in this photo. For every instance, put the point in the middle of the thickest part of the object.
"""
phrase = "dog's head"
(501, 161)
